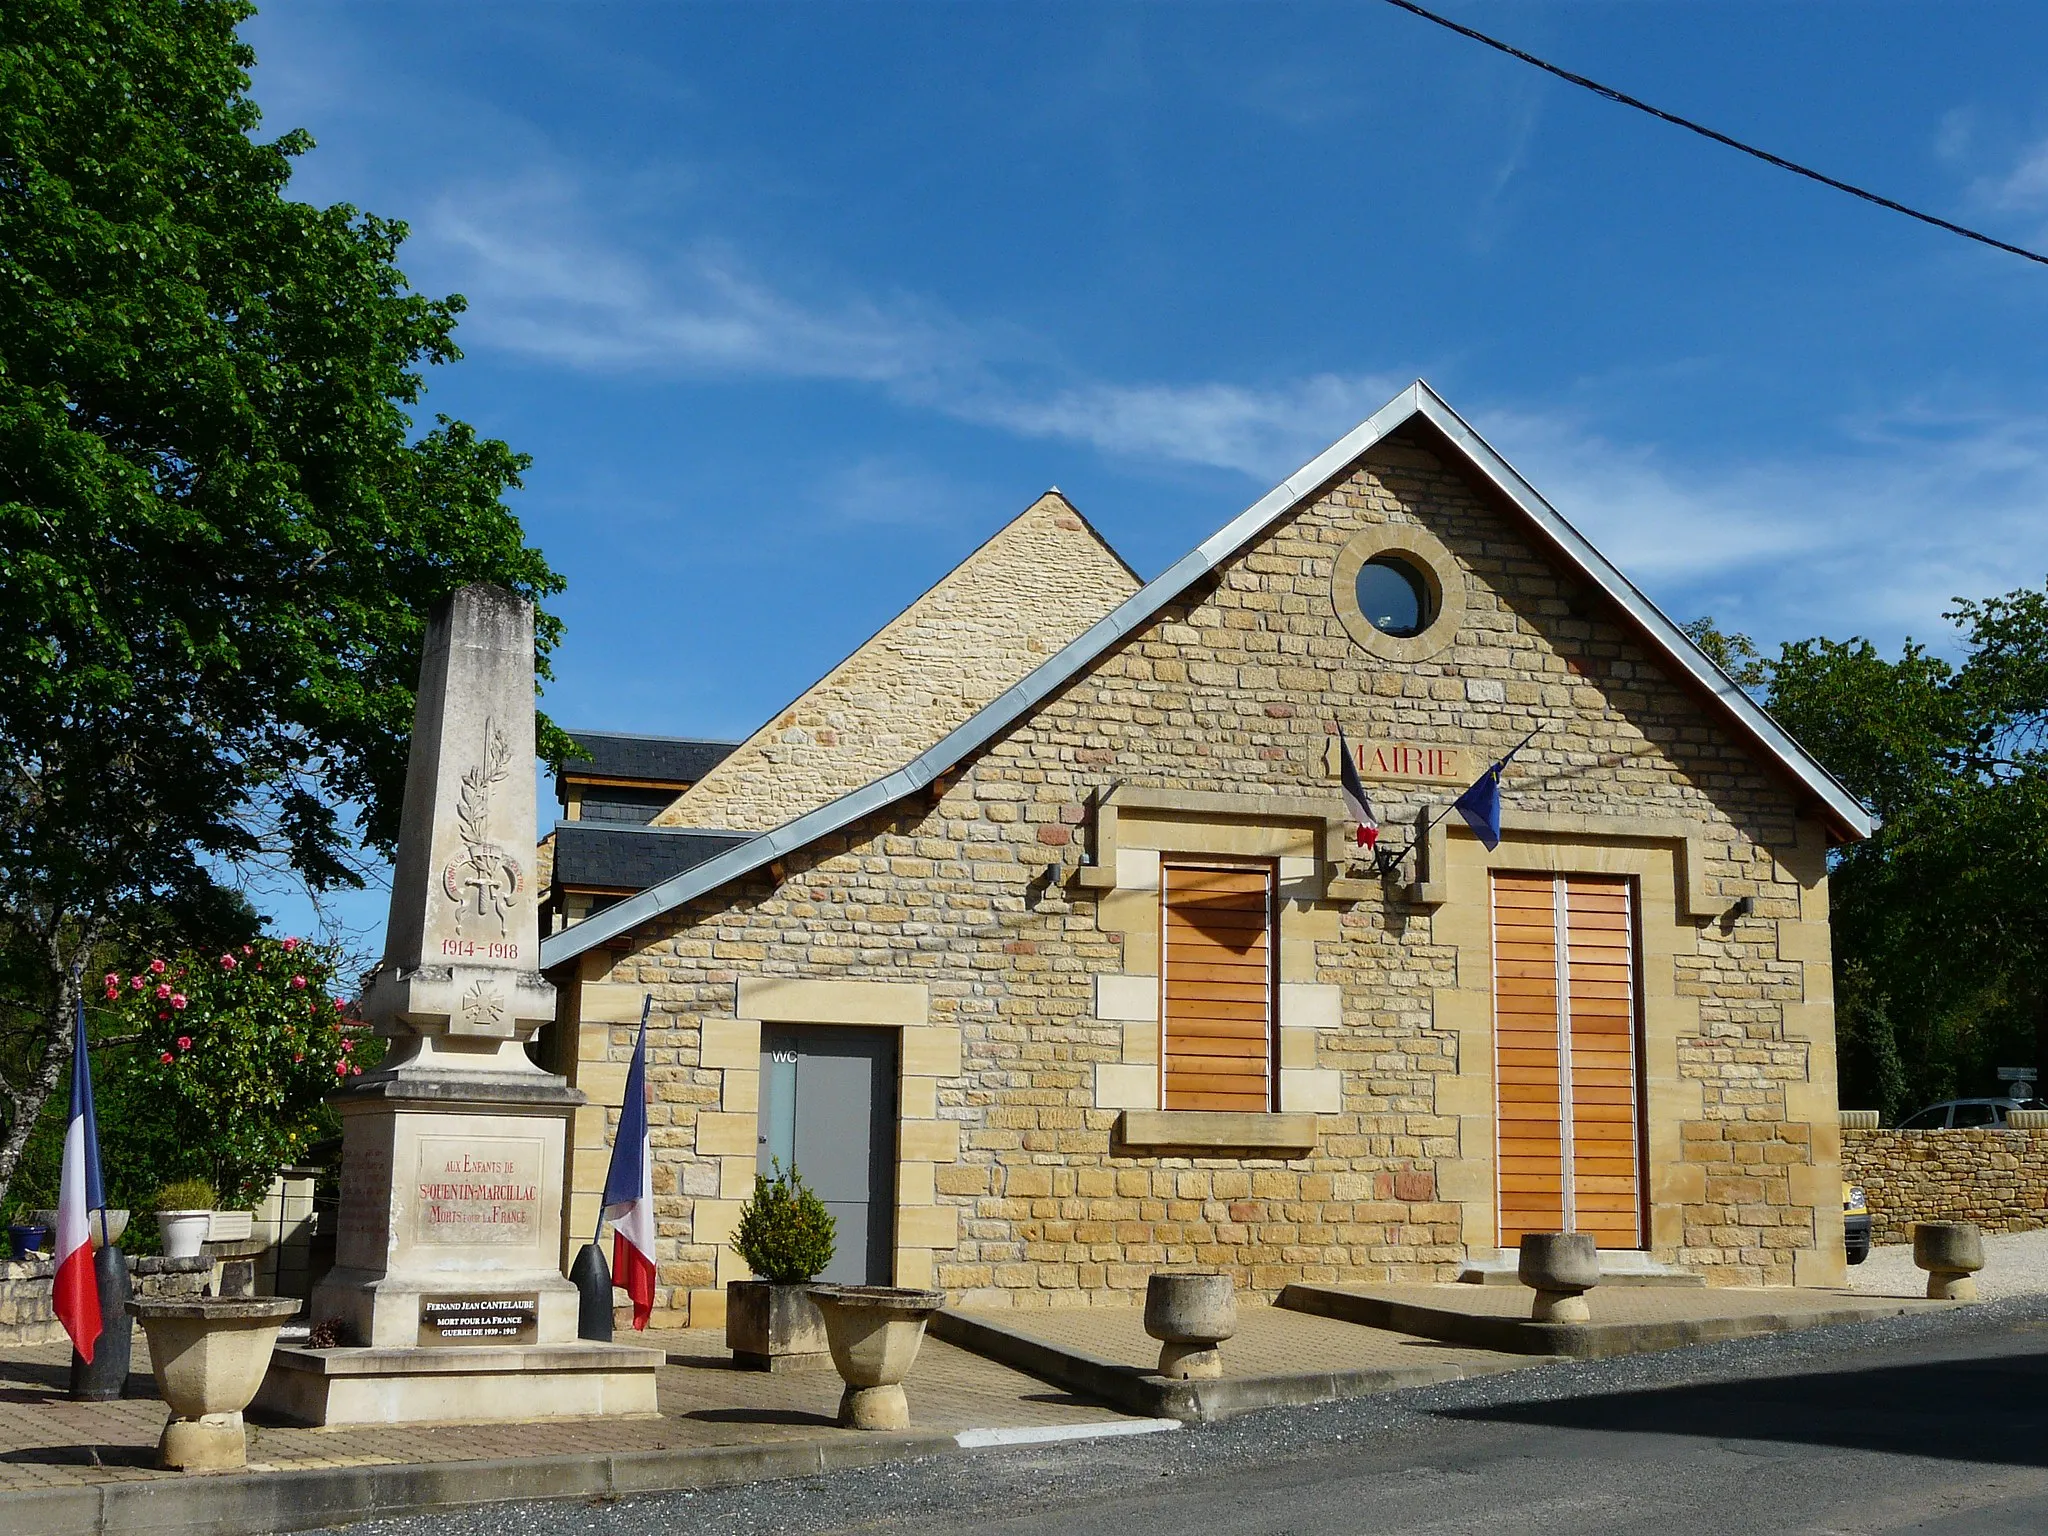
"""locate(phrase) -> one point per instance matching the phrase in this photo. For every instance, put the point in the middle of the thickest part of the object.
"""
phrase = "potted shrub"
(184, 1216)
(785, 1236)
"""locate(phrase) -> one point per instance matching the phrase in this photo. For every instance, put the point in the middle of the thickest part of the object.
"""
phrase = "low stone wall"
(1998, 1179)
(27, 1315)
(27, 1311)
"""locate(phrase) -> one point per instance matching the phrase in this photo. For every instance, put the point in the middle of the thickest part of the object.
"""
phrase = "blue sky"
(794, 304)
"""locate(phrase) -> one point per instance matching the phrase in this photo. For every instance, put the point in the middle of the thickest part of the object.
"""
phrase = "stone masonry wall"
(971, 889)
(1015, 601)
(1998, 1179)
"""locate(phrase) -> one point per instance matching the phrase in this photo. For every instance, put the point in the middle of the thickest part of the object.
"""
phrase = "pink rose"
(338, 1005)
(135, 982)
(248, 949)
(184, 1042)
(165, 1058)
(177, 1000)
(298, 983)
(290, 945)
(163, 989)
(348, 1045)
(342, 1070)
(227, 962)
(113, 978)
(300, 1056)
(156, 967)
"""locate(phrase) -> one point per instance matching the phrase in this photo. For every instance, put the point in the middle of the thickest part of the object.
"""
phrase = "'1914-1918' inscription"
(470, 949)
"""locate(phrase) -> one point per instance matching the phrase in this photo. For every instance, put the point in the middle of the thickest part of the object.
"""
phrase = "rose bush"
(234, 1054)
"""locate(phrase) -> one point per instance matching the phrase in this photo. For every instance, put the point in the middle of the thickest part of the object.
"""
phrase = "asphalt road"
(1934, 1424)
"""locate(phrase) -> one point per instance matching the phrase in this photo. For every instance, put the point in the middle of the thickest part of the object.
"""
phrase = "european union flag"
(1480, 806)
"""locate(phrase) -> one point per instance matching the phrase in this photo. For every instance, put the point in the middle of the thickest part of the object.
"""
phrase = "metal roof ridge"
(1418, 399)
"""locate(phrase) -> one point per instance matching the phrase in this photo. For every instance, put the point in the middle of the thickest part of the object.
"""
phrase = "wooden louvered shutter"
(1530, 1124)
(1600, 962)
(1569, 1132)
(1217, 985)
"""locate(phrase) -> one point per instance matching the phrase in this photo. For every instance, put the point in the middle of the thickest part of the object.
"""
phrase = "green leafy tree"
(1941, 918)
(219, 529)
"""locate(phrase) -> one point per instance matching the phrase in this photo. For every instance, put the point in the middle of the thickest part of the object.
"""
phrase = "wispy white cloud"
(1260, 432)
(2023, 187)
(542, 282)
(1875, 531)
(1876, 528)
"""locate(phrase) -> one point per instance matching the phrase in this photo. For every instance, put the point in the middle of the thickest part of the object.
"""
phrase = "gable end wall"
(1037, 980)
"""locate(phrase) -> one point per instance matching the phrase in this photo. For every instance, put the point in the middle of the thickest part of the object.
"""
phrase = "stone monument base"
(465, 1385)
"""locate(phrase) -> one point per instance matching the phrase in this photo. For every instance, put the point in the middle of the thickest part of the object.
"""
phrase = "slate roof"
(614, 857)
(656, 759)
(1418, 402)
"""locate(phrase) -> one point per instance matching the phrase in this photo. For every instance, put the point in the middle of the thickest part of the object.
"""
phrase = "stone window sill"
(1210, 1131)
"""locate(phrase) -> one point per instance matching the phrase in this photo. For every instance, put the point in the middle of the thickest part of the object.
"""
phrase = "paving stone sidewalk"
(1646, 1303)
(1270, 1341)
(46, 1440)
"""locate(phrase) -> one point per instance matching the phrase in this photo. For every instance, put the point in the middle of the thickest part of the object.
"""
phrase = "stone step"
(1617, 1267)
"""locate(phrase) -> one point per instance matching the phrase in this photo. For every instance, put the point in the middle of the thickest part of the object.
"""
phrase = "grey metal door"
(828, 1108)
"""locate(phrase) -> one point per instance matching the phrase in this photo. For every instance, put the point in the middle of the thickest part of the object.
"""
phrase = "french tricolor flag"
(629, 1188)
(80, 1192)
(1354, 795)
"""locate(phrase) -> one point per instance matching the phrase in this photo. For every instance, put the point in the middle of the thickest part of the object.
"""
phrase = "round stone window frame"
(1432, 561)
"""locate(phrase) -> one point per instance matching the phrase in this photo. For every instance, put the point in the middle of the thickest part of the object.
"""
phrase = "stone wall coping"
(1206, 805)
(1215, 1130)
(1431, 887)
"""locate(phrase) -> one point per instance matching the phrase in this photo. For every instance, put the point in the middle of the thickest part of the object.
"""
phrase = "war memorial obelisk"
(446, 1290)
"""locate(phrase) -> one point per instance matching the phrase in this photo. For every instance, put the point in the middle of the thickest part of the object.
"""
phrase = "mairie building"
(1038, 934)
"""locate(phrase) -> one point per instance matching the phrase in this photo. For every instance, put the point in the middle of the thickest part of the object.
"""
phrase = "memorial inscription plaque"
(457, 1320)
(478, 1190)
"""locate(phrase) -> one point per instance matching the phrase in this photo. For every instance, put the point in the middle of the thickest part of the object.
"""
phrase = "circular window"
(1398, 591)
(1394, 597)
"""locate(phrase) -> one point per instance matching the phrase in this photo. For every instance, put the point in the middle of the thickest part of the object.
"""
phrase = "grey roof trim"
(1056, 671)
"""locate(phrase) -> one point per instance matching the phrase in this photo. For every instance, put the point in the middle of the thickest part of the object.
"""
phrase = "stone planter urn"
(1191, 1313)
(183, 1232)
(771, 1327)
(1560, 1267)
(874, 1332)
(1951, 1252)
(209, 1355)
(105, 1226)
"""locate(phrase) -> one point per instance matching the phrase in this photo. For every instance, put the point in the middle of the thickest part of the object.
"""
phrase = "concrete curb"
(1579, 1341)
(253, 1504)
(1192, 1402)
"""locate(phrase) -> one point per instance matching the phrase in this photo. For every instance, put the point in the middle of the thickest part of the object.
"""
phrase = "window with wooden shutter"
(1565, 1058)
(1217, 986)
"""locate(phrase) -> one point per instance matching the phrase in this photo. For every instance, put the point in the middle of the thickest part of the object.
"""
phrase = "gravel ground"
(2015, 1264)
(947, 1493)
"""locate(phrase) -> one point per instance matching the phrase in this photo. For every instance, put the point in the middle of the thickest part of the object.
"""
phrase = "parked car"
(1855, 1222)
(1963, 1114)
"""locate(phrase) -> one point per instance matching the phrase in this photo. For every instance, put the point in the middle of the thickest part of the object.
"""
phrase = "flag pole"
(1392, 861)
(646, 1008)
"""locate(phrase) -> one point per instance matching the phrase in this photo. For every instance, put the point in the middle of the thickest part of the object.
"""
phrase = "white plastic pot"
(183, 1232)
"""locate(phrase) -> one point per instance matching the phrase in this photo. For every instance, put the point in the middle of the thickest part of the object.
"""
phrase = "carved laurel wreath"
(473, 811)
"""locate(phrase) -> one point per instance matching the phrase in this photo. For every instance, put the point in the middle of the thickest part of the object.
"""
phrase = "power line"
(1626, 100)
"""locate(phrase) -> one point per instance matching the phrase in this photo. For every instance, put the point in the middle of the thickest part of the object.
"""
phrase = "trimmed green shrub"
(785, 1233)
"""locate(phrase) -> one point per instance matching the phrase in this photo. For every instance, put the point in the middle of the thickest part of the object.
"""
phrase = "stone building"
(1083, 973)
